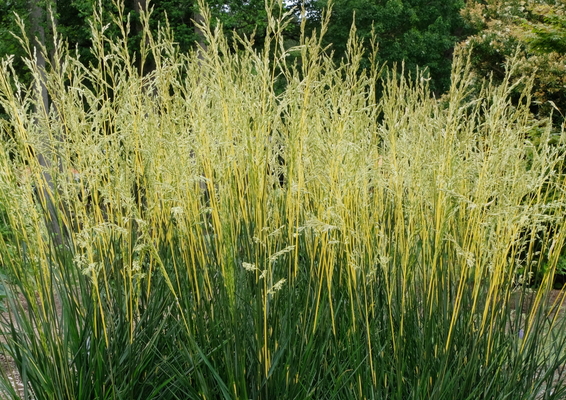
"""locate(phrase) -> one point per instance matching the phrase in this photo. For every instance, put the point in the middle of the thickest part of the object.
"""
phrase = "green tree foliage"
(417, 32)
(72, 19)
(10, 32)
(532, 31)
(8, 43)
(548, 32)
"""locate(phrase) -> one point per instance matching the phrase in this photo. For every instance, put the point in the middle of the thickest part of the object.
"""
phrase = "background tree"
(8, 43)
(536, 30)
(72, 16)
(417, 32)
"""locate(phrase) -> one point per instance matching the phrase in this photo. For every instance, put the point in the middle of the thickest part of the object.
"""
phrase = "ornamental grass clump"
(194, 233)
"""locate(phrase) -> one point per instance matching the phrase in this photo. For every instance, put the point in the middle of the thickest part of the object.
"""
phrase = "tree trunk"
(38, 21)
(47, 156)
(201, 41)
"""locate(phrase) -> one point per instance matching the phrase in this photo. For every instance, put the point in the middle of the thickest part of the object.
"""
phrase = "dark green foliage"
(420, 34)
(8, 43)
(72, 21)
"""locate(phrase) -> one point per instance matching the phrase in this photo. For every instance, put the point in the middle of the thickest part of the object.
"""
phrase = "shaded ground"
(7, 364)
(9, 367)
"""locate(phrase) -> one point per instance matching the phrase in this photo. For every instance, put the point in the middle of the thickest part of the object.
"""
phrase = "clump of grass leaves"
(194, 233)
